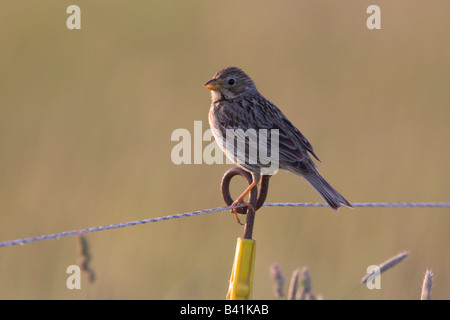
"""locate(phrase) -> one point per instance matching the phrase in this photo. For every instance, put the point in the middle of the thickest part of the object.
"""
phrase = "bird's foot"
(238, 202)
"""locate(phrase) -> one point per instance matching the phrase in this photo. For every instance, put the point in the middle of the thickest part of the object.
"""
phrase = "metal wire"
(23, 241)
(367, 204)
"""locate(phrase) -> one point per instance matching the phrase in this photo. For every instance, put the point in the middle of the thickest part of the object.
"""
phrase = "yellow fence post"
(241, 281)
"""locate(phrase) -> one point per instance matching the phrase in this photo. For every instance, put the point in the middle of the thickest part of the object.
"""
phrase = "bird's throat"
(216, 95)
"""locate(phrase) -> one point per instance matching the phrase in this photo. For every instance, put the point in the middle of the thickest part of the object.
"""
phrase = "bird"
(237, 106)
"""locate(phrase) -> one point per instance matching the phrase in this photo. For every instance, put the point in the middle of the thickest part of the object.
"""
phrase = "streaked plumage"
(237, 104)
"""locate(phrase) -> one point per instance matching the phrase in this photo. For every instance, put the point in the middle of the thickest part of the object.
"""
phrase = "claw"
(237, 219)
(239, 201)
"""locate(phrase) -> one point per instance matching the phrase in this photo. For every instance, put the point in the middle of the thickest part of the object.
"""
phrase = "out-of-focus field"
(86, 118)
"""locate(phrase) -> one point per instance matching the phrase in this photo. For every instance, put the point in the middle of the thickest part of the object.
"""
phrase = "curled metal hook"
(256, 199)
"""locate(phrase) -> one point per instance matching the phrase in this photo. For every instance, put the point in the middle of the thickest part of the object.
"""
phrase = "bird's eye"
(231, 81)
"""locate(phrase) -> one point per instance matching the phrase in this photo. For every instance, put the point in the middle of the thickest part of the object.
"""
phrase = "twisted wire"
(22, 241)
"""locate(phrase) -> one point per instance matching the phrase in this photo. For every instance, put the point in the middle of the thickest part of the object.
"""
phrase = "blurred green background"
(86, 118)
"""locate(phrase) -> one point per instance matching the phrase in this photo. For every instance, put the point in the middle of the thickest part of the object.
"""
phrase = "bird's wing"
(245, 122)
(293, 147)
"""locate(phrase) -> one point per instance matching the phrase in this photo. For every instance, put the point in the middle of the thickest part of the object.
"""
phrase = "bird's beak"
(213, 84)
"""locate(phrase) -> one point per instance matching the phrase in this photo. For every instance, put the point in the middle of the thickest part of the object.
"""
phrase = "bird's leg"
(240, 199)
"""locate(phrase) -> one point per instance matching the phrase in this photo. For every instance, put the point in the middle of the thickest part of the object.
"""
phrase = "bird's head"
(230, 83)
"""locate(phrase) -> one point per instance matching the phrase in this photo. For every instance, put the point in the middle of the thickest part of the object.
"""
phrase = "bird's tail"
(327, 192)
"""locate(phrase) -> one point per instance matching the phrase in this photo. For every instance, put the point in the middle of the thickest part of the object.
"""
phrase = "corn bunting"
(240, 111)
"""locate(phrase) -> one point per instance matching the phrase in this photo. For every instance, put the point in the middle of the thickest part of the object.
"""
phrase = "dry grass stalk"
(388, 264)
(278, 279)
(85, 257)
(299, 289)
(305, 291)
(293, 285)
(426, 286)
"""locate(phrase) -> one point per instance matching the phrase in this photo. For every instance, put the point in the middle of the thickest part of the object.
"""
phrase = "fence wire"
(22, 241)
